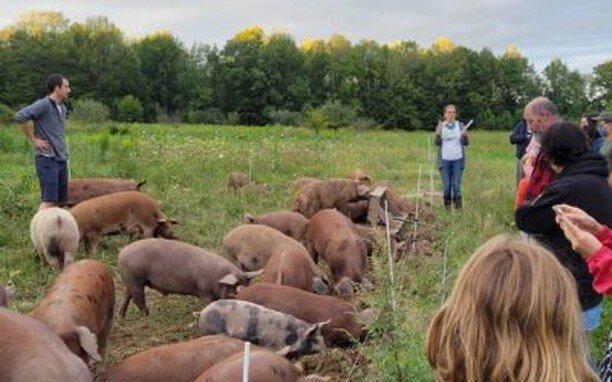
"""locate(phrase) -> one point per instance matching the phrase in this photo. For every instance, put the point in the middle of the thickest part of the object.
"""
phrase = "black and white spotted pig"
(262, 326)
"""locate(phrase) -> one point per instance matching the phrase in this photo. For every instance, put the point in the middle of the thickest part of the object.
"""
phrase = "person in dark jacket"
(580, 182)
(520, 137)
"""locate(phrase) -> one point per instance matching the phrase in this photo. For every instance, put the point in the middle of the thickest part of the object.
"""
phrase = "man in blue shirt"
(48, 138)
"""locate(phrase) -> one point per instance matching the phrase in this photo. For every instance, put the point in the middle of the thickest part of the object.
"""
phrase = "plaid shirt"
(542, 175)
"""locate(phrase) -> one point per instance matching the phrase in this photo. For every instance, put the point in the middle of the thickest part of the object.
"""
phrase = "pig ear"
(88, 342)
(323, 323)
(248, 218)
(284, 351)
(230, 279)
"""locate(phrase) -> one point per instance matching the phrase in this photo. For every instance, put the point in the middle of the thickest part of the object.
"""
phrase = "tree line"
(258, 78)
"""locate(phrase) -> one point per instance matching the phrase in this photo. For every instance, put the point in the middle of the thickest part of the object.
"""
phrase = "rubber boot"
(447, 204)
(457, 202)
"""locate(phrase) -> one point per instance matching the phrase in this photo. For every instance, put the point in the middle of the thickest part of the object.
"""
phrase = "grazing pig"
(261, 326)
(79, 308)
(397, 204)
(356, 211)
(332, 236)
(87, 188)
(32, 352)
(360, 176)
(171, 266)
(310, 307)
(55, 235)
(264, 366)
(290, 223)
(294, 268)
(180, 362)
(327, 194)
(304, 180)
(129, 211)
(251, 245)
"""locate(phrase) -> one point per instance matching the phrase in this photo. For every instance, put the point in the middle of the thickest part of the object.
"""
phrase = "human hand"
(583, 242)
(578, 217)
(40, 143)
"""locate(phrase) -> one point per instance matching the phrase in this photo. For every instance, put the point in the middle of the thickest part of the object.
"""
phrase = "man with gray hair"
(540, 113)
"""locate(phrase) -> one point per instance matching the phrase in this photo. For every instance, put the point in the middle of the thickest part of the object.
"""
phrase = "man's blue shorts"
(53, 179)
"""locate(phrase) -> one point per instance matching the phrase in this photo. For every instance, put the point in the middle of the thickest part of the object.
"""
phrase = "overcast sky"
(578, 32)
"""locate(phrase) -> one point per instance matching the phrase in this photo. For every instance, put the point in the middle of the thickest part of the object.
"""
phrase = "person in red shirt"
(593, 241)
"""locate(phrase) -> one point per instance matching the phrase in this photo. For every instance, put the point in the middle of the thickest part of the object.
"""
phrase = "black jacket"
(520, 137)
(581, 184)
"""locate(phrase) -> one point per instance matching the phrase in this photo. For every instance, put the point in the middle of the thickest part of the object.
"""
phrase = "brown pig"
(250, 246)
(304, 180)
(264, 366)
(171, 266)
(356, 211)
(129, 211)
(238, 180)
(327, 194)
(290, 223)
(332, 236)
(360, 176)
(310, 307)
(294, 268)
(87, 188)
(179, 362)
(79, 308)
(32, 352)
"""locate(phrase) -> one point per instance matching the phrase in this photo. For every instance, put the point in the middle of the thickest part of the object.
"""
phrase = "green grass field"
(186, 169)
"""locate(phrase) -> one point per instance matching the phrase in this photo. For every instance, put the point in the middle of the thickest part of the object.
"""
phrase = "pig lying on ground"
(32, 352)
(261, 326)
(87, 188)
(264, 366)
(130, 211)
(290, 223)
(310, 307)
(251, 245)
(55, 235)
(332, 236)
(360, 176)
(294, 268)
(180, 362)
(79, 308)
(171, 266)
(327, 194)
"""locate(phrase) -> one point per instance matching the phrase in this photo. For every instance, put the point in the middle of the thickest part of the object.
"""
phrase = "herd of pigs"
(286, 313)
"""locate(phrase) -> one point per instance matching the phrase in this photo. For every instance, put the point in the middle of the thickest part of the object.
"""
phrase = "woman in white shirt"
(452, 138)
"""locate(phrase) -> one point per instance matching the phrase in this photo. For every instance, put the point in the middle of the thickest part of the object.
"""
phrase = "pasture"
(187, 167)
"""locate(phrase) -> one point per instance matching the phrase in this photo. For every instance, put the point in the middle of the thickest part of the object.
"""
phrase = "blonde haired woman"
(513, 315)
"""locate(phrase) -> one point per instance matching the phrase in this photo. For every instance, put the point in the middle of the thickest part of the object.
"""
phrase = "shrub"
(210, 116)
(362, 125)
(89, 110)
(286, 117)
(129, 109)
(337, 114)
(6, 114)
(315, 120)
(233, 118)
